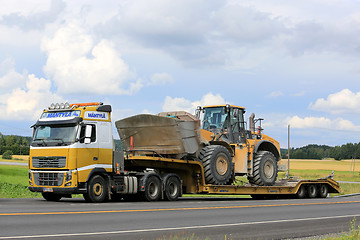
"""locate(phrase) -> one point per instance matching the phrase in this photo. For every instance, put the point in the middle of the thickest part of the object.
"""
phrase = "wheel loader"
(229, 149)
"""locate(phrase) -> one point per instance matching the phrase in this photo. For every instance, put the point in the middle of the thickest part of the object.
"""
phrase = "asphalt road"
(212, 218)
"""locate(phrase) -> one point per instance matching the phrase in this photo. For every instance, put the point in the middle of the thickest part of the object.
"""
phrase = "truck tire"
(265, 169)
(152, 189)
(323, 191)
(312, 191)
(217, 164)
(301, 193)
(51, 196)
(172, 189)
(97, 190)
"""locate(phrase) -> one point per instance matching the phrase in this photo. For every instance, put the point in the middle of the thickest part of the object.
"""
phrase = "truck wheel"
(312, 191)
(217, 164)
(51, 196)
(97, 190)
(152, 189)
(323, 190)
(265, 169)
(301, 193)
(172, 189)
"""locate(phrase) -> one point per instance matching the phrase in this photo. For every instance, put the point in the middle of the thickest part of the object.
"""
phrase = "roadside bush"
(7, 155)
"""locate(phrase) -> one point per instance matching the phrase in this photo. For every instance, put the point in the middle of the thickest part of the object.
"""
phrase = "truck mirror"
(88, 130)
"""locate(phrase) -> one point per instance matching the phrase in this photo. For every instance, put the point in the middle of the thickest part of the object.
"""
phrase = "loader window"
(214, 118)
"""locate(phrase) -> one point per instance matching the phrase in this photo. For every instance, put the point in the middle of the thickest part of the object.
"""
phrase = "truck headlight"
(30, 176)
(68, 176)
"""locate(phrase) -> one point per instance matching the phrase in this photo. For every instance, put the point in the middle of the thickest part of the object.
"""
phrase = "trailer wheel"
(97, 190)
(53, 197)
(323, 190)
(217, 164)
(152, 189)
(312, 191)
(265, 169)
(301, 193)
(172, 189)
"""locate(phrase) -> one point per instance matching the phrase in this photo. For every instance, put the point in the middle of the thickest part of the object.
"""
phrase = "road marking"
(175, 209)
(177, 228)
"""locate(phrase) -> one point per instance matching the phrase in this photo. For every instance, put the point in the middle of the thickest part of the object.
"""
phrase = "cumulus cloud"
(9, 78)
(27, 103)
(80, 65)
(322, 123)
(344, 101)
(161, 79)
(182, 104)
(32, 20)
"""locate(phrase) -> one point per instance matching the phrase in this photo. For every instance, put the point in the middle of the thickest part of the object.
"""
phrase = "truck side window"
(93, 133)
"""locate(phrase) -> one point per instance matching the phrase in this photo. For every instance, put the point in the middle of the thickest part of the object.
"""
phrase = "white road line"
(178, 228)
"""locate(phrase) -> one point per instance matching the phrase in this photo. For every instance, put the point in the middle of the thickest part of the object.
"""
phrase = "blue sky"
(289, 62)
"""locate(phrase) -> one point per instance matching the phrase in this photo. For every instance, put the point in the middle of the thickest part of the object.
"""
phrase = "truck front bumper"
(58, 190)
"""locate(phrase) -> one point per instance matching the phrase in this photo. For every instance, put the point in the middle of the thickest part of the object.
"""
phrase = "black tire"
(265, 169)
(312, 191)
(301, 193)
(217, 164)
(323, 191)
(97, 190)
(172, 189)
(152, 189)
(52, 197)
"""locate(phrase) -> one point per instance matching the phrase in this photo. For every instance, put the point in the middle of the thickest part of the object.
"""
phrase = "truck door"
(88, 151)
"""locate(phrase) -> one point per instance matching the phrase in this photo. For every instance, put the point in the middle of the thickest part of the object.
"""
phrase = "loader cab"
(225, 121)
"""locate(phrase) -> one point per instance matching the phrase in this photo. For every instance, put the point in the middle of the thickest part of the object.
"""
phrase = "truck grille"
(49, 162)
(48, 178)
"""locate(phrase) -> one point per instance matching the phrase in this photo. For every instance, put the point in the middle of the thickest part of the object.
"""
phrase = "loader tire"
(217, 164)
(265, 169)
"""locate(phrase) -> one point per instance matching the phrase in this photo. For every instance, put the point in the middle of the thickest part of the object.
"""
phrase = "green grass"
(14, 182)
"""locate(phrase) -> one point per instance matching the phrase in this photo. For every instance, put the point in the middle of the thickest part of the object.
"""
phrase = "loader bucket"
(163, 135)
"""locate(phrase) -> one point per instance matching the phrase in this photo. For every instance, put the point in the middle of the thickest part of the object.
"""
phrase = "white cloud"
(276, 94)
(161, 79)
(322, 123)
(9, 78)
(30, 20)
(79, 65)
(28, 102)
(344, 101)
(182, 104)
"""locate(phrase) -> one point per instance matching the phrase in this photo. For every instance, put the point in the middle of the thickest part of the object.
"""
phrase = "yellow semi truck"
(165, 155)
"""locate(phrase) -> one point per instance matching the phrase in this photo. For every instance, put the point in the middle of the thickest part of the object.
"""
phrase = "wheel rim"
(269, 169)
(97, 189)
(153, 189)
(172, 189)
(221, 165)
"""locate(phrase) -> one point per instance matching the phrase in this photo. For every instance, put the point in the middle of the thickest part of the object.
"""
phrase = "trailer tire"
(172, 189)
(301, 193)
(152, 189)
(323, 191)
(312, 191)
(217, 164)
(265, 169)
(52, 197)
(97, 190)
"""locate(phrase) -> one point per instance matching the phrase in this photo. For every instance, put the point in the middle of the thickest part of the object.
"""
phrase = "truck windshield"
(55, 135)
(214, 118)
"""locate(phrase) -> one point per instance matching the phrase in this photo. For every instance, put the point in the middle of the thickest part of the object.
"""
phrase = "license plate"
(47, 189)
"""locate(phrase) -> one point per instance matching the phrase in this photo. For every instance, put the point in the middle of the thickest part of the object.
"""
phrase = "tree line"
(18, 145)
(314, 151)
